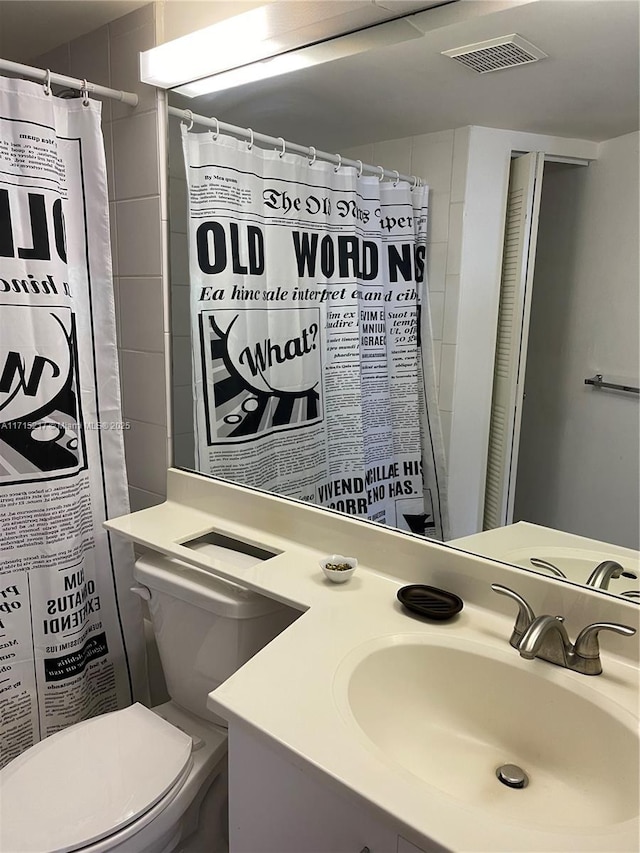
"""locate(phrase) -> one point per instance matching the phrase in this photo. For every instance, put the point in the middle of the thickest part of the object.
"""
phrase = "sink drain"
(512, 776)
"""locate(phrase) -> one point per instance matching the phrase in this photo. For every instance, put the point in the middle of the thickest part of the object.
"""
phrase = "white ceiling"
(587, 88)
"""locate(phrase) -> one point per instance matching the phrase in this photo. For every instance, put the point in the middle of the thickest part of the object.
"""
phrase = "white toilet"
(134, 780)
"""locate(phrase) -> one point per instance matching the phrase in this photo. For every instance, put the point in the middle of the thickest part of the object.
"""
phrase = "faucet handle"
(525, 614)
(587, 645)
(550, 567)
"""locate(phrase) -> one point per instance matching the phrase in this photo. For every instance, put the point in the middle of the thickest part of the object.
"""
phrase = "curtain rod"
(280, 144)
(47, 77)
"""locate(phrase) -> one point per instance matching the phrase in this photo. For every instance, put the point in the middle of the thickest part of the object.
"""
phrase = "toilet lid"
(90, 780)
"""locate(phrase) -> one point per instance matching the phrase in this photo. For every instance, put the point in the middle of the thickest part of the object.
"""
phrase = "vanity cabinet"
(278, 807)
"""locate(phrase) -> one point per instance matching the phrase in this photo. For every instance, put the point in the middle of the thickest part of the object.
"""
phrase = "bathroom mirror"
(408, 107)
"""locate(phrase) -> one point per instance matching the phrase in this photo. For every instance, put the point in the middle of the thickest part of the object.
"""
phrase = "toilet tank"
(205, 627)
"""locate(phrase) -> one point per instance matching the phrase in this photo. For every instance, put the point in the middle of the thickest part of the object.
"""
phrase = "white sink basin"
(451, 714)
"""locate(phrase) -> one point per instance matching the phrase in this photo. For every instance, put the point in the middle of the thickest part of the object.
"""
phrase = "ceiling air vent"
(495, 54)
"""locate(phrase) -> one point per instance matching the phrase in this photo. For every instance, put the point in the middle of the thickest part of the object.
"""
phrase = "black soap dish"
(429, 601)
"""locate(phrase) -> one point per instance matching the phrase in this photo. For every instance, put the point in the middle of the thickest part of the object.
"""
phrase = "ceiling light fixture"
(239, 51)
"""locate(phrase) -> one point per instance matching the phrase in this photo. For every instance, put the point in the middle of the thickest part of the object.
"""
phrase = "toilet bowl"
(123, 781)
(141, 780)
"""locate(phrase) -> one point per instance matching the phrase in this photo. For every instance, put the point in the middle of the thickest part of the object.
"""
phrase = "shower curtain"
(312, 365)
(71, 641)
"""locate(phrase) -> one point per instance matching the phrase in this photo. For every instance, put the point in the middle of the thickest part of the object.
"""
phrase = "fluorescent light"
(377, 36)
(283, 64)
(235, 41)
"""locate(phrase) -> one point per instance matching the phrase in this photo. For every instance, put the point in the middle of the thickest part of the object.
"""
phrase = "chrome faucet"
(546, 637)
(603, 573)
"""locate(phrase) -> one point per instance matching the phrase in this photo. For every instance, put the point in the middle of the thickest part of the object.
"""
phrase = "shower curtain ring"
(414, 184)
(381, 177)
(284, 148)
(337, 168)
(250, 143)
(315, 154)
(397, 174)
(188, 114)
(360, 168)
(84, 92)
(47, 82)
(215, 135)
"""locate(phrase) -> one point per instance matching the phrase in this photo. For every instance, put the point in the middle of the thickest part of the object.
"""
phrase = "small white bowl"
(338, 575)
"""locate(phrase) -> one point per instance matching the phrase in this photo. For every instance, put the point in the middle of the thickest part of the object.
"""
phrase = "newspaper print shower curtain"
(307, 321)
(71, 641)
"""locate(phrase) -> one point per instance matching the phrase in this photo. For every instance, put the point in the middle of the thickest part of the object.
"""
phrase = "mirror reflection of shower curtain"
(71, 642)
(306, 320)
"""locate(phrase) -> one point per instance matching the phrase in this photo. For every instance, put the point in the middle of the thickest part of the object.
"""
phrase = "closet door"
(521, 231)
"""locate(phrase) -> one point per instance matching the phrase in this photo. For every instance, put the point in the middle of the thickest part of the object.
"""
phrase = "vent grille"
(496, 54)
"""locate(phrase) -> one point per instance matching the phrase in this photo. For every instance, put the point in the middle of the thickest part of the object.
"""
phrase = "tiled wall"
(135, 172)
(440, 159)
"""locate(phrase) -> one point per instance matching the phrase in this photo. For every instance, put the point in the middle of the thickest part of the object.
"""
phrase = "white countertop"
(297, 677)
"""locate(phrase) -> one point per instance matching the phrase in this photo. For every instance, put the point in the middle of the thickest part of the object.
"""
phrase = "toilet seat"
(91, 781)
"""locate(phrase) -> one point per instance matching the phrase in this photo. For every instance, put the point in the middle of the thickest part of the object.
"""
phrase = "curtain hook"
(381, 178)
(215, 135)
(284, 148)
(250, 143)
(337, 168)
(397, 174)
(47, 82)
(84, 92)
(360, 168)
(315, 154)
(188, 114)
(415, 183)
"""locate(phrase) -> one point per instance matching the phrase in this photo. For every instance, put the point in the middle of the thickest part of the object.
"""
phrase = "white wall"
(135, 172)
(579, 467)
